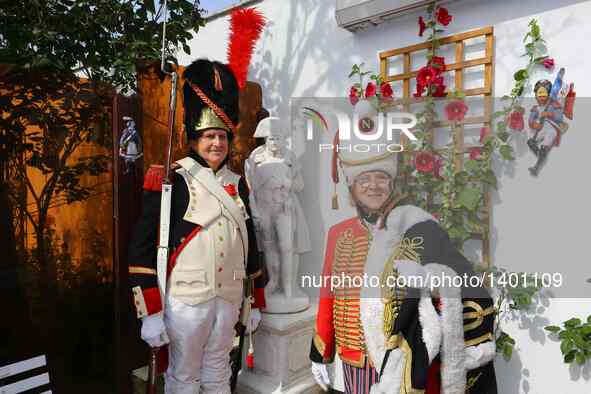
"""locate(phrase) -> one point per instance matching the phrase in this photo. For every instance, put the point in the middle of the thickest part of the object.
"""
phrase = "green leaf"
(490, 178)
(566, 346)
(469, 198)
(563, 335)
(458, 233)
(471, 166)
(507, 351)
(506, 152)
(553, 329)
(589, 319)
(501, 126)
(581, 358)
(571, 323)
(520, 75)
(569, 358)
(580, 342)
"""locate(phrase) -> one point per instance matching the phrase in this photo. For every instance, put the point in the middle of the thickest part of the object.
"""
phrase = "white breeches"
(201, 338)
(546, 135)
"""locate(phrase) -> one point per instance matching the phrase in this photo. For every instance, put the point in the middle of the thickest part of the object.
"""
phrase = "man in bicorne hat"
(274, 175)
(213, 248)
(402, 335)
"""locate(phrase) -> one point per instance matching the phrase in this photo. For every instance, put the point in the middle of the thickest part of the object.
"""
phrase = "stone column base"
(281, 356)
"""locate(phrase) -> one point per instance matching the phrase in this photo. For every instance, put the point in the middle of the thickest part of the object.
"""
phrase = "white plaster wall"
(538, 224)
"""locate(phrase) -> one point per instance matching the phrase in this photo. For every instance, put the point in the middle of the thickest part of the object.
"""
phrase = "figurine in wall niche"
(130, 144)
(274, 177)
(546, 119)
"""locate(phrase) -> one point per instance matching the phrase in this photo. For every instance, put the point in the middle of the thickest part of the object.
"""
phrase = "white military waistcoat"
(212, 261)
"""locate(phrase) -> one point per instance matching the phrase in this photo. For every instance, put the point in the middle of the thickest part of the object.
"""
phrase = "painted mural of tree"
(63, 61)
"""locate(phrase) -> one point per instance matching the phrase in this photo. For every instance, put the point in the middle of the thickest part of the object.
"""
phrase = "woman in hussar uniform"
(398, 339)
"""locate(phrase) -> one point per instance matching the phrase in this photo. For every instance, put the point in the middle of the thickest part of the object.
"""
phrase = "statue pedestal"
(281, 356)
(280, 304)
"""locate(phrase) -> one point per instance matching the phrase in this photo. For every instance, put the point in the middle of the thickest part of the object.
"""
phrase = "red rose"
(483, 133)
(548, 63)
(437, 166)
(438, 88)
(426, 75)
(386, 90)
(475, 153)
(370, 90)
(420, 90)
(230, 189)
(456, 110)
(425, 162)
(443, 16)
(422, 26)
(437, 62)
(353, 95)
(516, 121)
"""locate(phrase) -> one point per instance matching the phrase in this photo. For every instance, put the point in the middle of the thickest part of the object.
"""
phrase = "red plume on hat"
(246, 25)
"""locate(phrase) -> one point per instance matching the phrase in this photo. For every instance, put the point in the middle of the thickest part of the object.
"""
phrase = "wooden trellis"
(458, 43)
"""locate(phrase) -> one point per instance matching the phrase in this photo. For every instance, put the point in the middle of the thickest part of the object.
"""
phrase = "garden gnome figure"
(274, 177)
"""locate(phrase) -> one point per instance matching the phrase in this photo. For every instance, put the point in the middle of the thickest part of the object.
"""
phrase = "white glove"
(320, 374)
(154, 331)
(253, 321)
(412, 273)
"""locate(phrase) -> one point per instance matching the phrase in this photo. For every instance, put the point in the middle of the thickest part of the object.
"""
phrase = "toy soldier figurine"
(213, 247)
(393, 338)
(130, 144)
(274, 176)
(546, 120)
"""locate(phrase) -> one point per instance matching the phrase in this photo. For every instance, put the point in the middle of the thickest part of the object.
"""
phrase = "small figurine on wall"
(130, 144)
(546, 119)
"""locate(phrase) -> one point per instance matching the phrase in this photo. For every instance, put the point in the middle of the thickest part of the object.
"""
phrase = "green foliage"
(64, 61)
(515, 291)
(575, 339)
(105, 40)
(357, 69)
(505, 345)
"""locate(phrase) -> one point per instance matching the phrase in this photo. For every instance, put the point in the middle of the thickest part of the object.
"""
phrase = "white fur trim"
(387, 165)
(391, 379)
(371, 306)
(453, 363)
(431, 324)
(479, 355)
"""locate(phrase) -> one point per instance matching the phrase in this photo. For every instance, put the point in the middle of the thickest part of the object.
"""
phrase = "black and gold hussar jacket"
(404, 331)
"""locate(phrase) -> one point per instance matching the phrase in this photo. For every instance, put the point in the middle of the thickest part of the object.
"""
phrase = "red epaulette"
(154, 176)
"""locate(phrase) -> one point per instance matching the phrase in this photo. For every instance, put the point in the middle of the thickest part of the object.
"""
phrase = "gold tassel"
(217, 80)
(335, 198)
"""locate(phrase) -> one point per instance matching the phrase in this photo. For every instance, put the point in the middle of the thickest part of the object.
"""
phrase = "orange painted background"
(155, 97)
(87, 227)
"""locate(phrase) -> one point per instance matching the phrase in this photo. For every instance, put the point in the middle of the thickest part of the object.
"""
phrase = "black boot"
(533, 146)
(542, 155)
